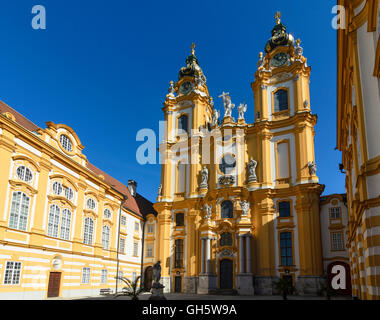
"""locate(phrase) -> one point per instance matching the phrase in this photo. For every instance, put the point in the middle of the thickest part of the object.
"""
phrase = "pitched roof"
(138, 205)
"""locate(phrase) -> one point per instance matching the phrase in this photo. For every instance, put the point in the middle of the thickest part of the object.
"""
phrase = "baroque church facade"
(239, 202)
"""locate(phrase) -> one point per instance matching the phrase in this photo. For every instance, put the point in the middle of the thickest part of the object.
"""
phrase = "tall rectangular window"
(284, 209)
(12, 272)
(150, 228)
(135, 249)
(88, 232)
(283, 160)
(183, 123)
(137, 227)
(19, 211)
(178, 256)
(123, 220)
(103, 278)
(281, 100)
(181, 177)
(133, 276)
(86, 275)
(122, 245)
(286, 248)
(149, 251)
(337, 241)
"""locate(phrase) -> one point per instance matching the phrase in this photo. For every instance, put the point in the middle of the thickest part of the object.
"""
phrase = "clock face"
(186, 87)
(279, 59)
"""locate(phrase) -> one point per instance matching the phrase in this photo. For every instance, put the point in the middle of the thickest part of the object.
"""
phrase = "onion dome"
(192, 68)
(279, 36)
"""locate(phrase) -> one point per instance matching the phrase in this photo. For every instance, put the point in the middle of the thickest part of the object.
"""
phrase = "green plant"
(132, 289)
(284, 286)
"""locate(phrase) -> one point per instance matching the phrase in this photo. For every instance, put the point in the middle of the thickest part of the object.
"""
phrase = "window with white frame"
(337, 241)
(88, 232)
(103, 277)
(123, 220)
(65, 224)
(135, 249)
(53, 221)
(137, 226)
(69, 193)
(19, 211)
(24, 173)
(66, 143)
(334, 212)
(106, 237)
(12, 272)
(57, 188)
(91, 204)
(150, 228)
(122, 245)
(149, 251)
(86, 275)
(107, 213)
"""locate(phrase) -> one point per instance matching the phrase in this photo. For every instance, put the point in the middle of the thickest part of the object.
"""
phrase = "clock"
(185, 87)
(279, 59)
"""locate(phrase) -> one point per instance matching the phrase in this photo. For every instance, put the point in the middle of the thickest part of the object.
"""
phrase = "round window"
(66, 143)
(24, 174)
(227, 164)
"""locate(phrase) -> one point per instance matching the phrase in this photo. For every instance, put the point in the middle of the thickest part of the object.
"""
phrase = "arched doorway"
(226, 274)
(148, 278)
(331, 275)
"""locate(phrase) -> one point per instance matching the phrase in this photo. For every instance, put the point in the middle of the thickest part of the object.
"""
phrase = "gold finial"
(171, 83)
(298, 42)
(278, 17)
(261, 55)
(193, 49)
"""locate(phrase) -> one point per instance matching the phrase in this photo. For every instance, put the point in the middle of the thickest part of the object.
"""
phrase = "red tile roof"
(138, 205)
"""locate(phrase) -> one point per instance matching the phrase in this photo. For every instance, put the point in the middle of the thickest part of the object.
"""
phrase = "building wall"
(40, 251)
(357, 133)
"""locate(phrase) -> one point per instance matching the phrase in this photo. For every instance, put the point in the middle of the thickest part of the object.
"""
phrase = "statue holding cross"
(228, 106)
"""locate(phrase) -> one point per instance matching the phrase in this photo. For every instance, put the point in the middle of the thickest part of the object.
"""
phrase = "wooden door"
(178, 284)
(54, 283)
(226, 274)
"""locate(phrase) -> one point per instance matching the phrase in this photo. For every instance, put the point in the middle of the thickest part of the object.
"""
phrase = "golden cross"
(193, 48)
(278, 16)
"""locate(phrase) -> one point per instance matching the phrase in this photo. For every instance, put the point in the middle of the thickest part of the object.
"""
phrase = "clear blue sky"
(103, 68)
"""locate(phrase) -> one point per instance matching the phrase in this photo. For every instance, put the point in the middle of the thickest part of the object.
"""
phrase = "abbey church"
(240, 204)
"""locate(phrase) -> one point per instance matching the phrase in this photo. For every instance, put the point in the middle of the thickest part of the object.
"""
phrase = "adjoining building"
(239, 203)
(60, 215)
(358, 132)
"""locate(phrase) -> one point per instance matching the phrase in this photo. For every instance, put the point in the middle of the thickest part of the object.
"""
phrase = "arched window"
(53, 222)
(65, 224)
(284, 209)
(227, 210)
(281, 100)
(178, 253)
(19, 211)
(88, 230)
(106, 237)
(179, 219)
(69, 193)
(286, 248)
(57, 188)
(91, 204)
(183, 123)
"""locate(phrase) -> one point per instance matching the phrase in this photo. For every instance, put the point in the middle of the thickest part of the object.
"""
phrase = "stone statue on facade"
(228, 105)
(242, 108)
(245, 207)
(207, 208)
(157, 287)
(252, 170)
(204, 182)
(312, 167)
(215, 117)
(171, 89)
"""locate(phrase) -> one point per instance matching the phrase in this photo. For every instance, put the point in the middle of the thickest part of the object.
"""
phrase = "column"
(248, 252)
(241, 253)
(208, 256)
(203, 256)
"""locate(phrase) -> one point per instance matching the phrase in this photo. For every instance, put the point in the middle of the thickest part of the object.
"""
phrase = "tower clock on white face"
(185, 87)
(279, 59)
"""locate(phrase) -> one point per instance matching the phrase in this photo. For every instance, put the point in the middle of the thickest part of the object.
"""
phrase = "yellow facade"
(210, 250)
(59, 215)
(357, 136)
